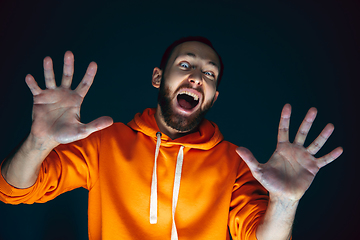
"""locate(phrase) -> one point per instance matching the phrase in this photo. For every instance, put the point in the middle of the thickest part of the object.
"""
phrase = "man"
(168, 173)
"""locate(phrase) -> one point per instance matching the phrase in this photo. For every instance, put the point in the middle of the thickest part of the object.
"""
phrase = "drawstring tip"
(153, 220)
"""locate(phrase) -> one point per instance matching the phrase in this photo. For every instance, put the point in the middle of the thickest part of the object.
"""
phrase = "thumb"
(98, 124)
(248, 158)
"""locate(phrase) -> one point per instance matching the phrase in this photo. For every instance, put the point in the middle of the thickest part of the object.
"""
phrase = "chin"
(179, 119)
(183, 122)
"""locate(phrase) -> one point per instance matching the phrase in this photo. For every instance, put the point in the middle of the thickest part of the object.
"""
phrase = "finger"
(305, 126)
(32, 84)
(49, 73)
(88, 79)
(96, 125)
(249, 159)
(328, 158)
(68, 70)
(319, 142)
(283, 134)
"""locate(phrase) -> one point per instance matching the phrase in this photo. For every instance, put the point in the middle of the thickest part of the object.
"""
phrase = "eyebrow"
(193, 56)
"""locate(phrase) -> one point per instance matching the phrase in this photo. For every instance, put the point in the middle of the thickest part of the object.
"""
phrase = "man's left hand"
(292, 167)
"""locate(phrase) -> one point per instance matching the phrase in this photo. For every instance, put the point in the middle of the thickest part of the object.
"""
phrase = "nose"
(196, 78)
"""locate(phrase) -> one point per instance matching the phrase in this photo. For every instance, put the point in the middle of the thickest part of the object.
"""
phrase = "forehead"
(200, 50)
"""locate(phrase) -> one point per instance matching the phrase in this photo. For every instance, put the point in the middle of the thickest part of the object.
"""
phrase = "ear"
(215, 97)
(156, 77)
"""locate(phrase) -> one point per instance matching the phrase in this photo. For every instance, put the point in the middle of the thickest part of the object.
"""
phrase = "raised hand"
(56, 110)
(292, 167)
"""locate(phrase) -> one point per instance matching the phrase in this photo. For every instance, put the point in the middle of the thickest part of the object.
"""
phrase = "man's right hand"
(56, 110)
(56, 120)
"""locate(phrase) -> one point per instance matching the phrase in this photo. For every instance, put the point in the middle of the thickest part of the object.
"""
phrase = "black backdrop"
(304, 53)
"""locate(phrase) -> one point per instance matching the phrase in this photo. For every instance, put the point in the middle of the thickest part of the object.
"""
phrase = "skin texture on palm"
(56, 120)
(56, 110)
(292, 167)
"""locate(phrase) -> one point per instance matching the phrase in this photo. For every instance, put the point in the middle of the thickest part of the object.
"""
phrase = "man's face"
(188, 85)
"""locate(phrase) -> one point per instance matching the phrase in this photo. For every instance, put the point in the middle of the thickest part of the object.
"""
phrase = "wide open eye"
(185, 65)
(210, 74)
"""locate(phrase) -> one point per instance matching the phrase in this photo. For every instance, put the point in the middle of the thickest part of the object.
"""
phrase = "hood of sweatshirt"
(207, 136)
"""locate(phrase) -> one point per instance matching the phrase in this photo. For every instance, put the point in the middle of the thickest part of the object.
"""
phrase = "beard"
(175, 120)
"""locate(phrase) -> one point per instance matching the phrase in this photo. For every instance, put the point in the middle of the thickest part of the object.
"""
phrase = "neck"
(165, 129)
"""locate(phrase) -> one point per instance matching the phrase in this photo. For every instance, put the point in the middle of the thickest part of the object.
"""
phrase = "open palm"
(292, 167)
(56, 110)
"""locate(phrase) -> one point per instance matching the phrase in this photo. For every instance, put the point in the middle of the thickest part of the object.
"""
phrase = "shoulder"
(117, 130)
(228, 147)
(117, 126)
(227, 151)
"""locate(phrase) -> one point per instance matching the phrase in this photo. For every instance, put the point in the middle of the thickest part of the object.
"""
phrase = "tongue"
(184, 104)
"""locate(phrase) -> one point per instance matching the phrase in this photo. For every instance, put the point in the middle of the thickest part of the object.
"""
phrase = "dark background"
(306, 54)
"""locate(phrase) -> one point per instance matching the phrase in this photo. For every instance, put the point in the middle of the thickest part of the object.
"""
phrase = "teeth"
(190, 94)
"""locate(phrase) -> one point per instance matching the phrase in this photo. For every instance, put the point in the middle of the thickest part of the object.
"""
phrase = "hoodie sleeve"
(248, 204)
(67, 167)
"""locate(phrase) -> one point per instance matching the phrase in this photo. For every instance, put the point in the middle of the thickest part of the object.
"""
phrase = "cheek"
(210, 93)
(178, 75)
(173, 77)
(208, 100)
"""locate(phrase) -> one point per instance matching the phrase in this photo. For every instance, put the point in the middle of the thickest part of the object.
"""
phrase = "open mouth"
(188, 100)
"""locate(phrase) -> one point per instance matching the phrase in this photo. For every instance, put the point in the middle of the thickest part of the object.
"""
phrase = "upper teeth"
(191, 94)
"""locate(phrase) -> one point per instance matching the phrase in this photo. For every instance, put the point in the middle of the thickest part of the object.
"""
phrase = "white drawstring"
(179, 163)
(153, 195)
(176, 189)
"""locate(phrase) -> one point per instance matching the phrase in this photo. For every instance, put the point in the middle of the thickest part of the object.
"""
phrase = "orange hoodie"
(211, 195)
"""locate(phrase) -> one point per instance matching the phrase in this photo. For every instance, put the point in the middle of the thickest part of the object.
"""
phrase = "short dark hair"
(170, 49)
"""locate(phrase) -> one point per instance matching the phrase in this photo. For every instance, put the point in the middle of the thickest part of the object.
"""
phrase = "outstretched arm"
(56, 120)
(288, 173)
